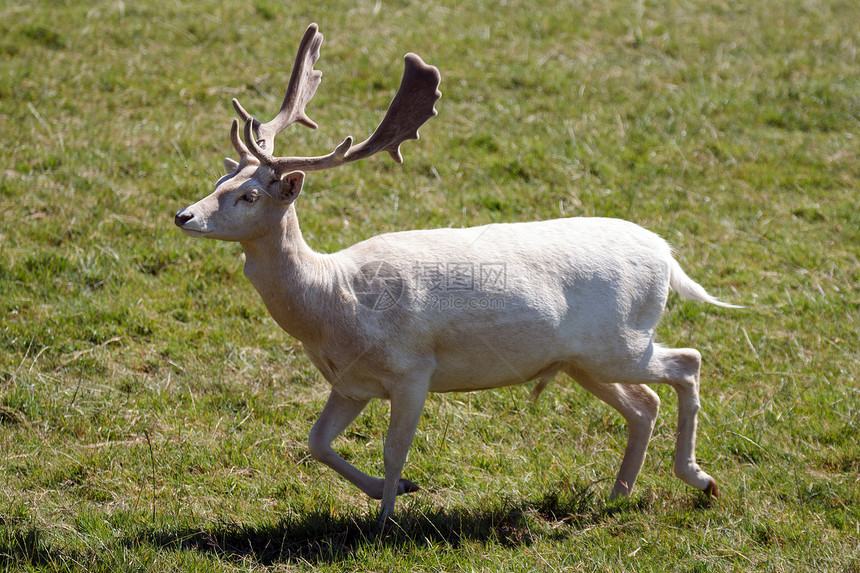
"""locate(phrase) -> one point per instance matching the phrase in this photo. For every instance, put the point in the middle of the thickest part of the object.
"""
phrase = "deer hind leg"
(639, 406)
(338, 414)
(680, 369)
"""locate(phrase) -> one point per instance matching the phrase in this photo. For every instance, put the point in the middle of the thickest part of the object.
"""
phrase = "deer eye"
(248, 198)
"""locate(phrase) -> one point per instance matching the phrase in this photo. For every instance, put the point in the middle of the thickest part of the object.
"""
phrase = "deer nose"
(182, 217)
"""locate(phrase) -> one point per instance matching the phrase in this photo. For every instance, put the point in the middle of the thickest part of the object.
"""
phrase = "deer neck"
(295, 282)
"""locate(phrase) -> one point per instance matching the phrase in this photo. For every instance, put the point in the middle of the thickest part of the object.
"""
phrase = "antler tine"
(244, 115)
(286, 164)
(411, 107)
(238, 145)
(304, 81)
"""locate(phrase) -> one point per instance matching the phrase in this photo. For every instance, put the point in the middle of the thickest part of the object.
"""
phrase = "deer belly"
(489, 368)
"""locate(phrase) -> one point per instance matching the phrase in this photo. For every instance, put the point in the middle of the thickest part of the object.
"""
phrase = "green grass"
(153, 417)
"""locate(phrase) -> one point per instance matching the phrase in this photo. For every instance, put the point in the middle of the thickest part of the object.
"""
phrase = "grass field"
(153, 417)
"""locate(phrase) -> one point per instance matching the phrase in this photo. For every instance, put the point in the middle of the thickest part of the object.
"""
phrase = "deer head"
(260, 187)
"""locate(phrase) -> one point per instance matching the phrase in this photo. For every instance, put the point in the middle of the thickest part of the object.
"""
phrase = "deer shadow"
(322, 538)
(319, 537)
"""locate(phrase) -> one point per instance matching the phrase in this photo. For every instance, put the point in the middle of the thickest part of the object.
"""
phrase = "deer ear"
(288, 187)
(230, 165)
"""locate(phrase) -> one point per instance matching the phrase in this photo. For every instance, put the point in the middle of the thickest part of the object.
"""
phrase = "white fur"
(580, 295)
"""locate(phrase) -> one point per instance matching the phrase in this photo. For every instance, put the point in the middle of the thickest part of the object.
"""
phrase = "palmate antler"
(411, 107)
(303, 84)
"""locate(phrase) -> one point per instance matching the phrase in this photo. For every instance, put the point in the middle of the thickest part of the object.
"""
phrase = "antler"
(411, 107)
(303, 84)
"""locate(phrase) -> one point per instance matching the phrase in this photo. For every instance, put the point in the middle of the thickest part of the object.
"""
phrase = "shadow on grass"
(29, 547)
(320, 537)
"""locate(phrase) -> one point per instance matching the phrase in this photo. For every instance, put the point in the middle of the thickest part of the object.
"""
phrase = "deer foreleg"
(406, 411)
(338, 414)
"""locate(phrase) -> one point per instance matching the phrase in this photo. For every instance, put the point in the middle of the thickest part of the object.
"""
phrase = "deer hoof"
(406, 486)
(712, 490)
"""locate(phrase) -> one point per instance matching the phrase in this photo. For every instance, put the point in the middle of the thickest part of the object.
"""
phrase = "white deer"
(450, 310)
